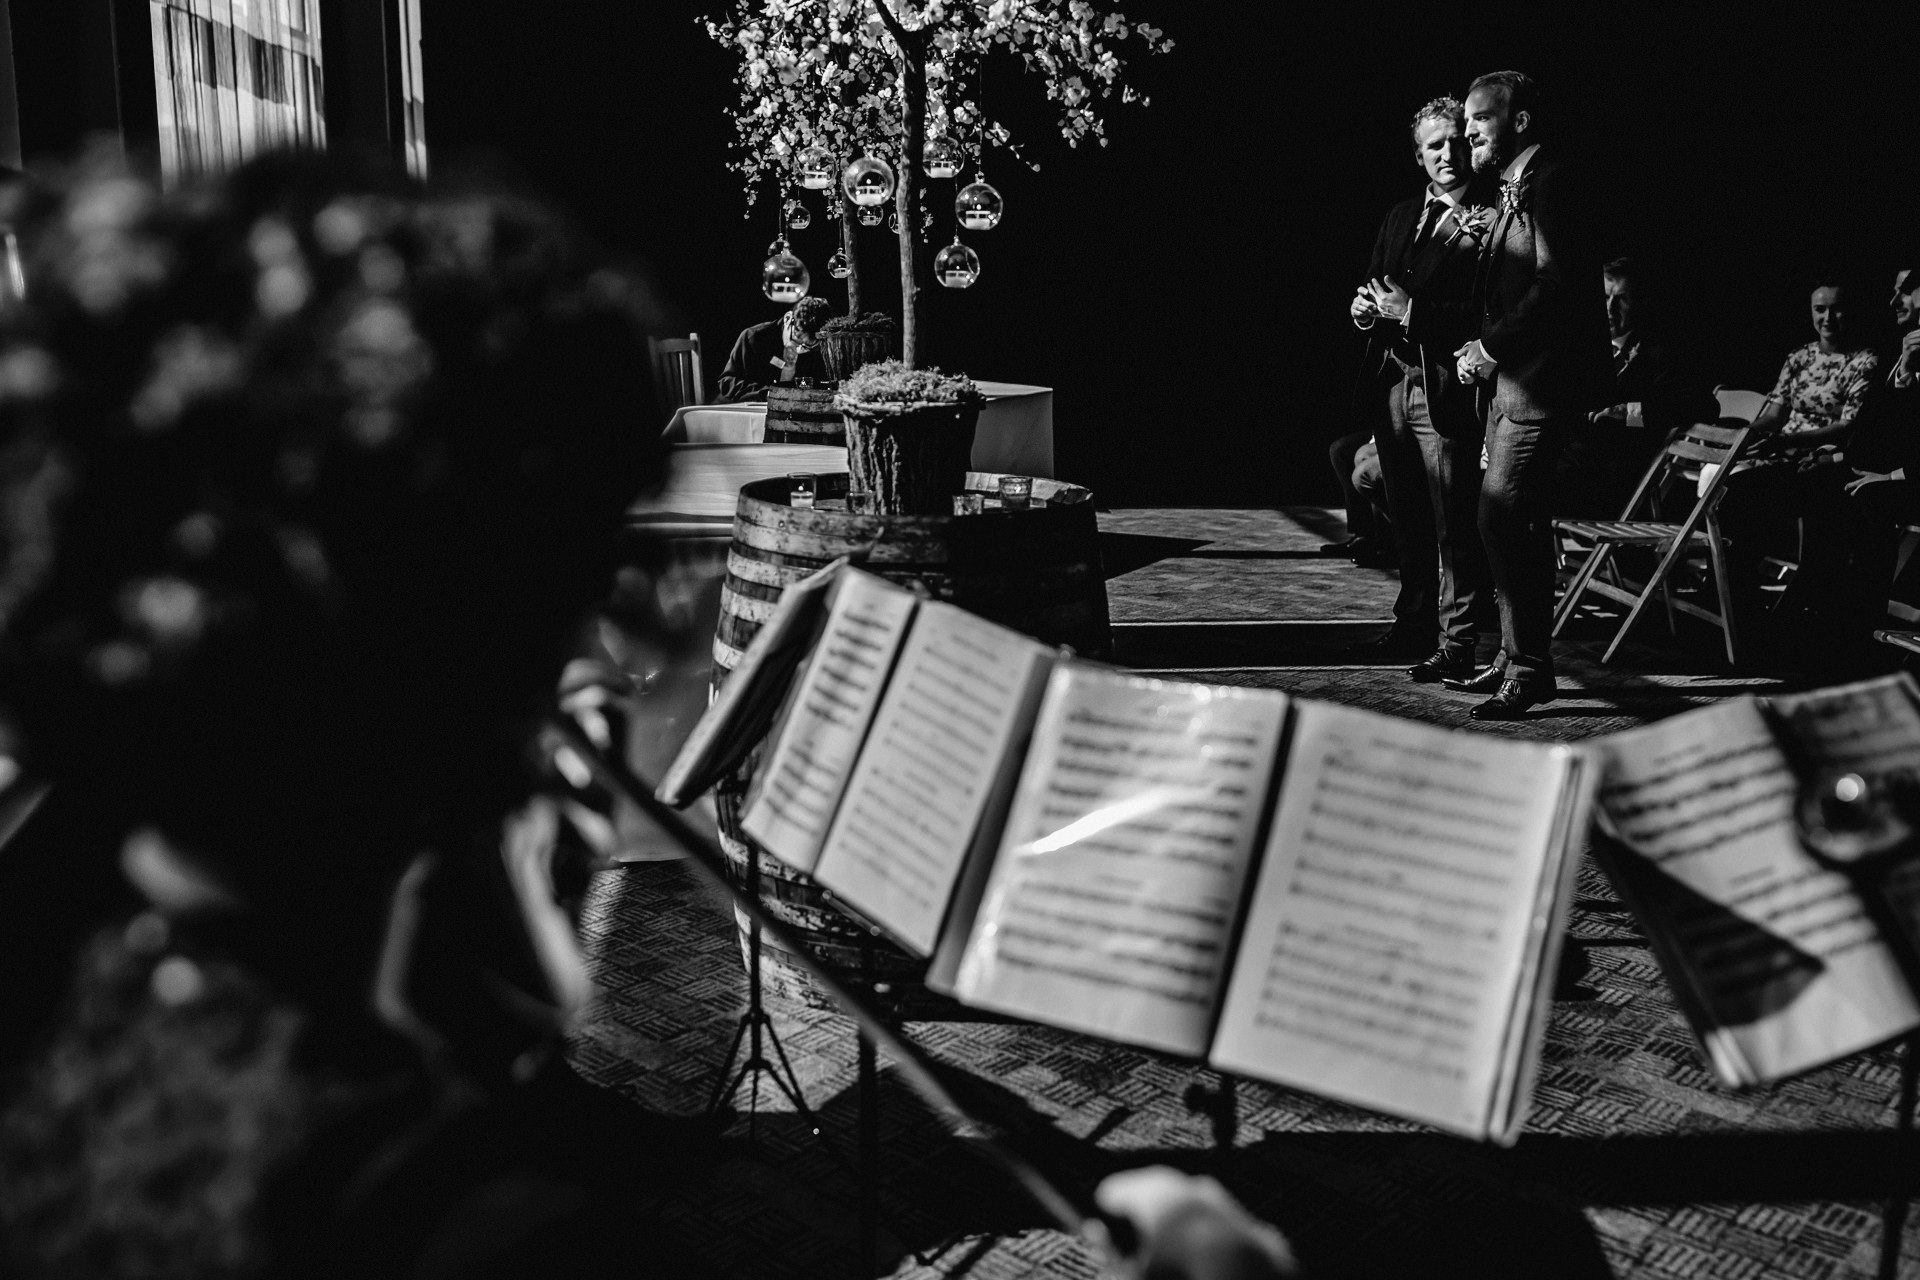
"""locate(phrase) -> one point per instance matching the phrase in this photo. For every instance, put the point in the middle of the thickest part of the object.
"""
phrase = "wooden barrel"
(803, 415)
(1037, 571)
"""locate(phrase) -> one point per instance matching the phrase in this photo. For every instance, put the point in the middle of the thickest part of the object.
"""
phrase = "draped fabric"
(233, 79)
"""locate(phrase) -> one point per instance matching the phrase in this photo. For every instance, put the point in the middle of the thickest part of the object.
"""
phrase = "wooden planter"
(911, 458)
(1037, 571)
(845, 352)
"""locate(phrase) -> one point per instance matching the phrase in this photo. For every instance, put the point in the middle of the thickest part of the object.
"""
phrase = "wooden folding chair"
(1688, 448)
(677, 376)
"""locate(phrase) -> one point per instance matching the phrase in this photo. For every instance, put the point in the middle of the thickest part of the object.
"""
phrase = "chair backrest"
(1697, 447)
(677, 375)
(1743, 405)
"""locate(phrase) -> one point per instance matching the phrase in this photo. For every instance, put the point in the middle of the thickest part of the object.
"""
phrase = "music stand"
(756, 1031)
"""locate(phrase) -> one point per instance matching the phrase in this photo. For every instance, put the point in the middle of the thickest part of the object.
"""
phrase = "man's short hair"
(809, 314)
(1522, 93)
(1441, 108)
(1624, 269)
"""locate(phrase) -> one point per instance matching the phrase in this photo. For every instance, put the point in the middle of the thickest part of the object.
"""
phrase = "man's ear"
(1522, 121)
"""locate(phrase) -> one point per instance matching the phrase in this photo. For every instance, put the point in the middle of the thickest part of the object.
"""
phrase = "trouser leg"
(1403, 469)
(1518, 535)
(1453, 491)
(1359, 510)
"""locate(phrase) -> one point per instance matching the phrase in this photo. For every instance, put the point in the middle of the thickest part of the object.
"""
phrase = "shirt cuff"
(1636, 413)
(1406, 317)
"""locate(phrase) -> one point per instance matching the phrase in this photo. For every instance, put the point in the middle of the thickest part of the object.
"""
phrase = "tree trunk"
(913, 87)
(850, 245)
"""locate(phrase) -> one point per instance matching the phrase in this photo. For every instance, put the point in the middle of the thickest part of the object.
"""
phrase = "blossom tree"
(882, 76)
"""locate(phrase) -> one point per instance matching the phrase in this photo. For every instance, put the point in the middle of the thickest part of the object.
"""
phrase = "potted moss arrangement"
(909, 435)
(850, 341)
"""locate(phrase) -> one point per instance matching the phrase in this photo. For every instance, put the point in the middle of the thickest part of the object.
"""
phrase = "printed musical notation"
(1114, 897)
(958, 695)
(828, 720)
(1707, 798)
(1392, 913)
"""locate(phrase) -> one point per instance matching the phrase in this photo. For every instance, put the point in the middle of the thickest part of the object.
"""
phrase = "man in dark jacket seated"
(780, 350)
(1655, 389)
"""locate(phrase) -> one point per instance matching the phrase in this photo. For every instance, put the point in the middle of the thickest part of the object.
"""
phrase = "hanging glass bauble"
(978, 205)
(868, 181)
(956, 266)
(783, 277)
(941, 156)
(870, 215)
(816, 168)
(839, 266)
(798, 216)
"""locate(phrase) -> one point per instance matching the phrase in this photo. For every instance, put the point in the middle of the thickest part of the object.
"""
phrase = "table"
(718, 448)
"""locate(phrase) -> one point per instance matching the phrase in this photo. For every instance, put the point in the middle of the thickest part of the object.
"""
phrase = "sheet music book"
(1773, 956)
(746, 705)
(1305, 893)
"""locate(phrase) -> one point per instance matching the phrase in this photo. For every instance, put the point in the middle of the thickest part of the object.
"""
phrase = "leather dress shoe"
(1389, 646)
(1514, 699)
(1443, 664)
(1479, 680)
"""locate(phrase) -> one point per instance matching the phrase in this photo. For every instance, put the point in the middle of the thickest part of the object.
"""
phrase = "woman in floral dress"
(1787, 503)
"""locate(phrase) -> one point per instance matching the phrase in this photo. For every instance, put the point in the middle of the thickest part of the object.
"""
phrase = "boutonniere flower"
(1513, 194)
(1473, 222)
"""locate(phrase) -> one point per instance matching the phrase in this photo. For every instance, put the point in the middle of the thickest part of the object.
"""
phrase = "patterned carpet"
(1634, 1163)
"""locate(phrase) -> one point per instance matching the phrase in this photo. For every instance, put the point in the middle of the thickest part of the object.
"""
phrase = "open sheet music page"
(1408, 873)
(1117, 884)
(798, 786)
(1776, 949)
(1873, 729)
(961, 693)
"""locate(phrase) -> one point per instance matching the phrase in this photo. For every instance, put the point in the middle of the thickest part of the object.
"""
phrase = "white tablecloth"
(1015, 432)
(718, 448)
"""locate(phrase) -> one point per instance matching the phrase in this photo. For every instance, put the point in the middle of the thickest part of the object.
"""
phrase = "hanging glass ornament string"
(783, 277)
(978, 206)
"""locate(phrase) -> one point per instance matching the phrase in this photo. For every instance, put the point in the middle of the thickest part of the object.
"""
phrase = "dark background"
(1184, 288)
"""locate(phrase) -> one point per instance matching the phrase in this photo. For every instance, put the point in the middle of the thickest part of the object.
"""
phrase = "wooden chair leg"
(1667, 562)
(1578, 586)
(1723, 587)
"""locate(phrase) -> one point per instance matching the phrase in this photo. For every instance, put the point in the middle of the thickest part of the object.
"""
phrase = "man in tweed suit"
(1543, 354)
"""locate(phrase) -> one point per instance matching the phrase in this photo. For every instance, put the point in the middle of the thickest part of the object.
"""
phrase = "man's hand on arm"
(1907, 367)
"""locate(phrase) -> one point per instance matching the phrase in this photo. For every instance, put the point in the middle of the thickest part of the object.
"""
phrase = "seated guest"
(1795, 480)
(783, 350)
(1356, 464)
(1656, 392)
(1884, 494)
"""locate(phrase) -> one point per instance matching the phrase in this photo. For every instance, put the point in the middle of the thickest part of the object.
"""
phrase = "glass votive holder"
(1016, 492)
(802, 486)
(969, 504)
(860, 502)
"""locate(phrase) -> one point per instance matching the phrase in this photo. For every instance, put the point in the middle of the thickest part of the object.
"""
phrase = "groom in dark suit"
(1423, 261)
(1543, 352)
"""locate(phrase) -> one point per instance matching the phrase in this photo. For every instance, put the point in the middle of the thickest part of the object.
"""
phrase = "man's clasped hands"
(1383, 298)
